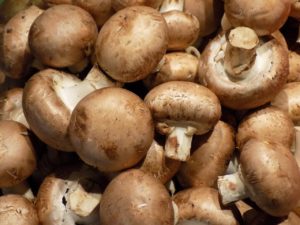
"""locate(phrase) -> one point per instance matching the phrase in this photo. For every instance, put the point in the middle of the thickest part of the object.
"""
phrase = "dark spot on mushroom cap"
(111, 150)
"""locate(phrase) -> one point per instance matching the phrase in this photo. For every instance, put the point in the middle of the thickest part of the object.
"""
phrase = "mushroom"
(244, 71)
(264, 17)
(136, 198)
(156, 164)
(11, 106)
(210, 159)
(111, 129)
(180, 110)
(121, 4)
(14, 51)
(174, 66)
(70, 196)
(202, 206)
(69, 40)
(268, 174)
(294, 69)
(131, 43)
(15, 209)
(49, 98)
(268, 123)
(183, 28)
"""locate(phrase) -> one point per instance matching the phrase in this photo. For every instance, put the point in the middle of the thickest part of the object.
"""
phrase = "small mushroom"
(15, 209)
(69, 40)
(268, 175)
(264, 17)
(136, 198)
(244, 71)
(267, 123)
(49, 98)
(121, 4)
(180, 110)
(294, 69)
(202, 206)
(14, 51)
(183, 28)
(111, 129)
(131, 43)
(210, 159)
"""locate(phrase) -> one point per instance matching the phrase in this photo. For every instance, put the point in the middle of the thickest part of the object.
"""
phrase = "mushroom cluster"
(165, 112)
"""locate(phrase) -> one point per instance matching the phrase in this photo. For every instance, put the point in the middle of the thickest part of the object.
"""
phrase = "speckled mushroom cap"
(15, 209)
(210, 159)
(131, 43)
(257, 85)
(288, 100)
(202, 206)
(121, 4)
(63, 35)
(14, 50)
(111, 129)
(11, 106)
(45, 111)
(183, 102)
(271, 176)
(268, 123)
(17, 153)
(264, 17)
(136, 198)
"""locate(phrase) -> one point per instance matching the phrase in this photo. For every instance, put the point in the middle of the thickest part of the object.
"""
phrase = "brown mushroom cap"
(63, 35)
(11, 106)
(111, 129)
(121, 4)
(294, 69)
(136, 198)
(14, 51)
(131, 43)
(17, 153)
(268, 124)
(202, 206)
(264, 17)
(175, 66)
(271, 176)
(15, 209)
(208, 12)
(210, 159)
(255, 86)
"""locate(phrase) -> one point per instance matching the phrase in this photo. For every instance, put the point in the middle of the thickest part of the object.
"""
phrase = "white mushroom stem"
(171, 187)
(297, 144)
(233, 164)
(170, 5)
(71, 93)
(240, 51)
(20, 189)
(231, 188)
(83, 203)
(176, 213)
(178, 143)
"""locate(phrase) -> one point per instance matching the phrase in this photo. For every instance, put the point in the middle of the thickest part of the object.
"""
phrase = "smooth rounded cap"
(63, 35)
(14, 51)
(185, 103)
(111, 129)
(15, 209)
(268, 124)
(121, 4)
(271, 176)
(45, 111)
(264, 17)
(131, 43)
(255, 86)
(17, 153)
(136, 198)
(202, 206)
(210, 159)
(288, 100)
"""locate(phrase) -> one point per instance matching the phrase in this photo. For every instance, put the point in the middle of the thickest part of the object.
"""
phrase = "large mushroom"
(131, 43)
(243, 70)
(136, 198)
(180, 110)
(111, 129)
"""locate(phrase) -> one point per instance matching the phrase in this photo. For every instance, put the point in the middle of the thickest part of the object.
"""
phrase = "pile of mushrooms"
(165, 112)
